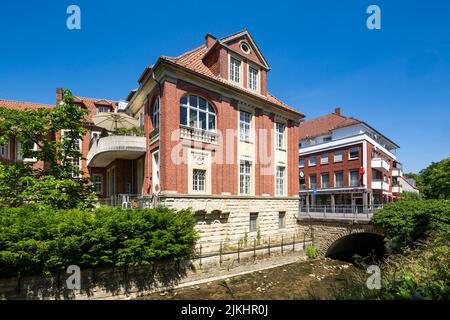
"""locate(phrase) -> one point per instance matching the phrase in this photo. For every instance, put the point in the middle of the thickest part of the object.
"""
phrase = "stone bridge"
(341, 239)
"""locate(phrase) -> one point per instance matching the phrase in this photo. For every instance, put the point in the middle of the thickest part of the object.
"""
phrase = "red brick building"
(345, 165)
(12, 151)
(214, 139)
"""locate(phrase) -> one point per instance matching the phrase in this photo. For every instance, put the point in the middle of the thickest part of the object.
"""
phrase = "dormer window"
(103, 109)
(253, 79)
(235, 70)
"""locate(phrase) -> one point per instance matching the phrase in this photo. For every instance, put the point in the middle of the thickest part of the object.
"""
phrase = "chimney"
(209, 40)
(59, 95)
(337, 111)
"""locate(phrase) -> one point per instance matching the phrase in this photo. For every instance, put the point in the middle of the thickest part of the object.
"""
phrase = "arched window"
(197, 113)
(155, 114)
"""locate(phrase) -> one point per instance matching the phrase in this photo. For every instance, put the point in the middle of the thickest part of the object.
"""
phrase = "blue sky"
(397, 79)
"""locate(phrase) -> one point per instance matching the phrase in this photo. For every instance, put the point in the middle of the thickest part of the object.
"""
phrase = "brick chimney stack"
(209, 40)
(337, 111)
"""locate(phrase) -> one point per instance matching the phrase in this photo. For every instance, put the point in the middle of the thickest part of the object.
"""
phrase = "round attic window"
(245, 47)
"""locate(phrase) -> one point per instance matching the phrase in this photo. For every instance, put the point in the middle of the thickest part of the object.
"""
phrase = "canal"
(314, 279)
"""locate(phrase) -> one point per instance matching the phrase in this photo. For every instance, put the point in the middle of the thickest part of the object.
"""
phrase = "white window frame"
(280, 136)
(336, 181)
(197, 182)
(245, 177)
(321, 180)
(324, 158)
(245, 127)
(155, 113)
(103, 109)
(309, 181)
(156, 171)
(253, 81)
(350, 178)
(95, 183)
(209, 112)
(80, 148)
(301, 165)
(235, 73)
(280, 181)
(336, 153)
(350, 151)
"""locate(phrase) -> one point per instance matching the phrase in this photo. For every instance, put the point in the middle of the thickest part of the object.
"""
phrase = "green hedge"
(36, 240)
(408, 221)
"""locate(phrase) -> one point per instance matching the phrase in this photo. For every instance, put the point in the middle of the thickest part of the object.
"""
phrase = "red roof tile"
(92, 103)
(193, 60)
(20, 105)
(324, 125)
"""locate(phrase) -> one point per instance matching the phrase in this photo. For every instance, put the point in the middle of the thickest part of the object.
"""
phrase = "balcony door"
(140, 175)
(111, 174)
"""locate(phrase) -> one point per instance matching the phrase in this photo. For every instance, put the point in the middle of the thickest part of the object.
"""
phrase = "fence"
(256, 246)
(131, 201)
(344, 211)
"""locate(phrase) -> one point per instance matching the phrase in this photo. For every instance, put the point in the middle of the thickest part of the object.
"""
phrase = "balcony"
(396, 172)
(397, 189)
(380, 164)
(380, 185)
(198, 135)
(105, 150)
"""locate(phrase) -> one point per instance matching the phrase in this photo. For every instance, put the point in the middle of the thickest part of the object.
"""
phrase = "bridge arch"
(361, 243)
(341, 239)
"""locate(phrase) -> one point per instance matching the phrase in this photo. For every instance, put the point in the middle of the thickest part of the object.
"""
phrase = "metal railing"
(132, 201)
(340, 211)
(282, 242)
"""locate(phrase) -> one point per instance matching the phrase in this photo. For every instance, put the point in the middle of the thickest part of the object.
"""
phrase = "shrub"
(38, 239)
(312, 252)
(408, 221)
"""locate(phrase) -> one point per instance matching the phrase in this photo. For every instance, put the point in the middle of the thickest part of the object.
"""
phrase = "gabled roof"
(245, 33)
(193, 61)
(20, 105)
(324, 125)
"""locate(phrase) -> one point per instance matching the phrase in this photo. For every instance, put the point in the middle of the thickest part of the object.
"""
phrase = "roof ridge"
(183, 54)
(28, 102)
(96, 99)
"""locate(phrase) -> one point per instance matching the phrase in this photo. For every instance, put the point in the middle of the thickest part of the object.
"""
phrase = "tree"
(60, 183)
(435, 180)
(40, 127)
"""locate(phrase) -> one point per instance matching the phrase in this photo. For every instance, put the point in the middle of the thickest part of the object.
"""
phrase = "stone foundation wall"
(226, 220)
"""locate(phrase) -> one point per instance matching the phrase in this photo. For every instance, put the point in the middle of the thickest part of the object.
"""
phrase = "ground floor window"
(98, 183)
(281, 220)
(198, 180)
(245, 177)
(280, 181)
(253, 222)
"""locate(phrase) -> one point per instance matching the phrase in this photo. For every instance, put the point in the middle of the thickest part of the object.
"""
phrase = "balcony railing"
(380, 185)
(380, 164)
(105, 150)
(198, 135)
(397, 189)
(396, 172)
(361, 212)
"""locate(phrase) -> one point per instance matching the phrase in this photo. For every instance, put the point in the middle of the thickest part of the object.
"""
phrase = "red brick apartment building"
(346, 166)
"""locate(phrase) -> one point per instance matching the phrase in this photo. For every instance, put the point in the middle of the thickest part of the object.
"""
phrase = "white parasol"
(112, 121)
